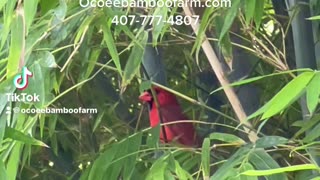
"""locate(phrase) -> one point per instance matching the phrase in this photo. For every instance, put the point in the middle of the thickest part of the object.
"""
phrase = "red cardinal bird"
(170, 111)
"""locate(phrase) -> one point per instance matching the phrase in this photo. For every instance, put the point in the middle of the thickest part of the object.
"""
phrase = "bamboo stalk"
(218, 70)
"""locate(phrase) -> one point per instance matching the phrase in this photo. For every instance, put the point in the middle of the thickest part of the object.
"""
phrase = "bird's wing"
(184, 133)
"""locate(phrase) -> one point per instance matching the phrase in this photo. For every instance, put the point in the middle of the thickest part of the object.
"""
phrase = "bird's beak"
(145, 97)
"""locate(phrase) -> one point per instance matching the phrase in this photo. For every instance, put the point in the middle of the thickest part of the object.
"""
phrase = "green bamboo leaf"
(232, 13)
(98, 120)
(285, 97)
(30, 10)
(14, 160)
(8, 18)
(135, 58)
(280, 170)
(202, 29)
(313, 134)
(3, 173)
(84, 25)
(181, 173)
(258, 14)
(233, 161)
(229, 138)
(254, 79)
(306, 125)
(246, 167)
(269, 141)
(131, 161)
(225, 43)
(5, 87)
(263, 161)
(94, 56)
(157, 170)
(2, 3)
(158, 28)
(16, 45)
(102, 163)
(37, 84)
(47, 5)
(249, 10)
(288, 94)
(314, 18)
(153, 137)
(19, 136)
(108, 39)
(117, 164)
(205, 158)
(46, 59)
(313, 92)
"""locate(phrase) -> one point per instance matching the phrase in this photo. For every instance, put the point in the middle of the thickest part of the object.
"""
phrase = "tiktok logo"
(21, 80)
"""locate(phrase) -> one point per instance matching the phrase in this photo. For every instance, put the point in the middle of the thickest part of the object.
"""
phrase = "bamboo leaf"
(229, 138)
(263, 161)
(13, 162)
(259, 10)
(314, 18)
(158, 28)
(30, 9)
(232, 13)
(3, 173)
(313, 92)
(246, 167)
(205, 158)
(135, 59)
(249, 10)
(234, 160)
(17, 44)
(313, 134)
(285, 97)
(288, 94)
(157, 170)
(269, 141)
(280, 170)
(181, 173)
(108, 39)
(19, 136)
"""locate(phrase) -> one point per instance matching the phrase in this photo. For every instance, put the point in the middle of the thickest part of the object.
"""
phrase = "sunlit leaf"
(280, 170)
(285, 97)
(313, 92)
(17, 45)
(30, 10)
(3, 173)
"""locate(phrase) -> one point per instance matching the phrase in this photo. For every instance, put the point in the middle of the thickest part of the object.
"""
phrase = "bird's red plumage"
(170, 111)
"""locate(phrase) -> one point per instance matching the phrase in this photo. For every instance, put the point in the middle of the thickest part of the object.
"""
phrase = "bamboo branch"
(218, 70)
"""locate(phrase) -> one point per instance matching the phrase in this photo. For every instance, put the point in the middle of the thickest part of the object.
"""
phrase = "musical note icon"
(21, 80)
